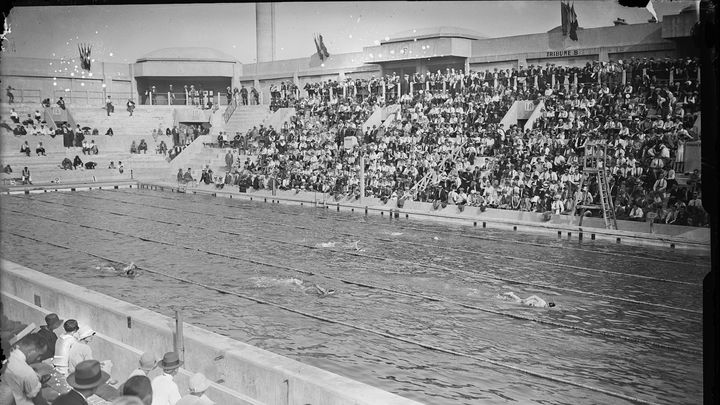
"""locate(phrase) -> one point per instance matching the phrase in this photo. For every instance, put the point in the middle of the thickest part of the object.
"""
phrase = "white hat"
(85, 332)
(198, 383)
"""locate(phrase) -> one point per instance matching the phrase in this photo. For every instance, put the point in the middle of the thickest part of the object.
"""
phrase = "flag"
(573, 23)
(322, 47)
(564, 17)
(85, 51)
(317, 47)
(651, 9)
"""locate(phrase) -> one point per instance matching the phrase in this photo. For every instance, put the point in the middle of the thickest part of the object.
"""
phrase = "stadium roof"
(434, 32)
(187, 54)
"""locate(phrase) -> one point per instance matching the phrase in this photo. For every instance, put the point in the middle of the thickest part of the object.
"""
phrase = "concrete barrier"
(250, 375)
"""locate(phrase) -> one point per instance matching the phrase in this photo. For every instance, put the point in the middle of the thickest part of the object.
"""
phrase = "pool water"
(416, 309)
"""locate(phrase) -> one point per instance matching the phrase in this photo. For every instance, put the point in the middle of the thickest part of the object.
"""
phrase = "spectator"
(90, 165)
(147, 363)
(77, 162)
(244, 95)
(165, 391)
(25, 148)
(130, 106)
(63, 344)
(38, 116)
(180, 176)
(229, 159)
(133, 147)
(25, 176)
(80, 350)
(142, 147)
(109, 132)
(40, 150)
(85, 381)
(14, 117)
(93, 148)
(20, 383)
(47, 331)
(197, 385)
(67, 164)
(109, 106)
(636, 213)
(85, 147)
(187, 177)
(10, 95)
(7, 169)
(61, 103)
(111, 165)
(162, 148)
(139, 386)
(121, 167)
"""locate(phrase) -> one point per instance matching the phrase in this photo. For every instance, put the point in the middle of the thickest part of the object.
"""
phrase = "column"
(412, 87)
(698, 75)
(427, 85)
(444, 86)
(672, 76)
(515, 82)
(187, 98)
(535, 81)
(383, 91)
(624, 77)
(354, 90)
(575, 81)
(168, 98)
(345, 91)
(398, 91)
(332, 93)
(566, 83)
(150, 97)
(495, 82)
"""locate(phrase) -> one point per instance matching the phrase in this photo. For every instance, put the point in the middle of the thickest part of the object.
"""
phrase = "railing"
(24, 96)
(91, 97)
(230, 110)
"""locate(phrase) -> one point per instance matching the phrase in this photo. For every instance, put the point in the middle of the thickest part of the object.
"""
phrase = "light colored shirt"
(79, 352)
(165, 391)
(137, 371)
(21, 379)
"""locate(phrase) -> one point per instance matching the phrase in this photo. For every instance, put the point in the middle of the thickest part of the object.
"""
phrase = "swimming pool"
(416, 310)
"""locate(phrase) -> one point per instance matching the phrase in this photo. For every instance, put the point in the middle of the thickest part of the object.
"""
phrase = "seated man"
(111, 165)
(162, 148)
(25, 148)
(133, 147)
(20, 383)
(109, 132)
(67, 164)
(130, 106)
(90, 165)
(25, 176)
(142, 147)
(85, 147)
(188, 176)
(180, 178)
(20, 130)
(61, 103)
(77, 162)
(93, 148)
(14, 116)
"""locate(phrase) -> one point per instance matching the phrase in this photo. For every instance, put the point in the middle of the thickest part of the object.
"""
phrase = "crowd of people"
(45, 366)
(448, 129)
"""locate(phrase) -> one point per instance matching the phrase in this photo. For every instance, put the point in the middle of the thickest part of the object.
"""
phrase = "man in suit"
(85, 381)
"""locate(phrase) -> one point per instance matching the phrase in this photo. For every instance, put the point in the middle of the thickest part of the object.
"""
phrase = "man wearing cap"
(138, 386)
(47, 331)
(147, 364)
(165, 390)
(63, 345)
(85, 381)
(197, 385)
(20, 384)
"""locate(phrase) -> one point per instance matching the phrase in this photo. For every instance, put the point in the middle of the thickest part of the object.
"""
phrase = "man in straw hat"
(85, 381)
(165, 390)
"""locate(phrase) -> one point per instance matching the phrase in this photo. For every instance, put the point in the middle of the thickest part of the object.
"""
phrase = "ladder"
(595, 165)
(433, 174)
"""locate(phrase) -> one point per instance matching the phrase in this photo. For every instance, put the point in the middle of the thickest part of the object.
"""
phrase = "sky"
(123, 33)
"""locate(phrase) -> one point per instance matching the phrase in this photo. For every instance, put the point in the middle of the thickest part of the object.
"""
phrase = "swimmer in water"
(323, 292)
(531, 301)
(128, 271)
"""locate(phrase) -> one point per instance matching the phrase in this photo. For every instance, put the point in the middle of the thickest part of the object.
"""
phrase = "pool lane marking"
(427, 265)
(460, 233)
(386, 289)
(365, 329)
(559, 266)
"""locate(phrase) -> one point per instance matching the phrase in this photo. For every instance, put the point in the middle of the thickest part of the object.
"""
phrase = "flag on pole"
(651, 9)
(573, 23)
(564, 18)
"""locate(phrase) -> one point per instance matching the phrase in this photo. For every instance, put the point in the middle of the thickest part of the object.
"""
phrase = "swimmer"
(323, 292)
(128, 271)
(531, 301)
(351, 245)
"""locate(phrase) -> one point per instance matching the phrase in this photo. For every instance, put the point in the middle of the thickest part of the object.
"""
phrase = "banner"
(350, 142)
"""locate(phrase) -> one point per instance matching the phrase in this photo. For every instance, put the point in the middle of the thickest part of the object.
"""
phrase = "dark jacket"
(72, 397)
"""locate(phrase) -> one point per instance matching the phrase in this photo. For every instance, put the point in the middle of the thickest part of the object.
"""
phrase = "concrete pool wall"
(247, 374)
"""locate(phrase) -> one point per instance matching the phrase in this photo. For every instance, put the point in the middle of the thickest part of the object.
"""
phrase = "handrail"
(230, 109)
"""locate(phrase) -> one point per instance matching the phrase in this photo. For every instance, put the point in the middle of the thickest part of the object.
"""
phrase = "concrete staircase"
(245, 117)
